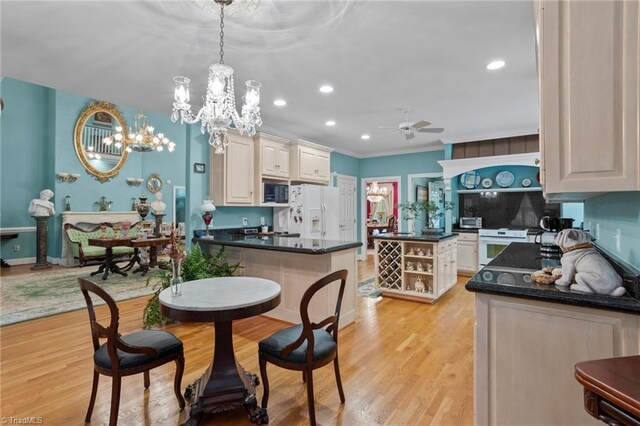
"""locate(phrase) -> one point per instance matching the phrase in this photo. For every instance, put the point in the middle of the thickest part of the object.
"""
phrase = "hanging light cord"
(222, 33)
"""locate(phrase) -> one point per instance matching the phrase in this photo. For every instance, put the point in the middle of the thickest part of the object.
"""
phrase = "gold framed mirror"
(101, 155)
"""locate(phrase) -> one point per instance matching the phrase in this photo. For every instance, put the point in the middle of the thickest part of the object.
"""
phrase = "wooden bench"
(79, 241)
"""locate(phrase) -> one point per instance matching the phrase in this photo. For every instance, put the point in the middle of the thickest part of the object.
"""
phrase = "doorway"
(348, 205)
(378, 211)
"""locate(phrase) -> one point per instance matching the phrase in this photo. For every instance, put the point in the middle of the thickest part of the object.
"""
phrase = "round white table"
(225, 385)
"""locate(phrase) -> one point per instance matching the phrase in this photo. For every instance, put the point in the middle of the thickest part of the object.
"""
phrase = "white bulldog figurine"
(584, 268)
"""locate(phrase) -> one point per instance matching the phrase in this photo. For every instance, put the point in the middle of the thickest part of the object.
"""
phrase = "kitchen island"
(529, 337)
(295, 264)
(415, 267)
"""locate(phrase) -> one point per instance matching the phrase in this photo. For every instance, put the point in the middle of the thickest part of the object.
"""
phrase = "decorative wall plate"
(526, 183)
(486, 183)
(470, 179)
(505, 179)
(154, 183)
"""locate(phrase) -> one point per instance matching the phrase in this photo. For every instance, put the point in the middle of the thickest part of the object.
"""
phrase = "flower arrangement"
(174, 249)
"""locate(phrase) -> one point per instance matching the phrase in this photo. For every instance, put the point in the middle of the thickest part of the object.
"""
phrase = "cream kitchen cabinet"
(231, 176)
(272, 156)
(310, 163)
(588, 70)
(467, 255)
(420, 269)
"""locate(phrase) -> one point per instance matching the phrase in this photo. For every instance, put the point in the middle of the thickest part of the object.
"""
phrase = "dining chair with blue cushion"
(306, 346)
(126, 355)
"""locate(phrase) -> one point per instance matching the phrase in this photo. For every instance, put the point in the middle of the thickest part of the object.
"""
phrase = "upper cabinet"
(232, 173)
(588, 69)
(272, 156)
(310, 163)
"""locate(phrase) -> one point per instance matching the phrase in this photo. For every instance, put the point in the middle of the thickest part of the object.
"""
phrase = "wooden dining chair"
(391, 223)
(306, 346)
(126, 355)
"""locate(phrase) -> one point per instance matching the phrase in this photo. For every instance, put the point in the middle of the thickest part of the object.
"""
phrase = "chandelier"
(375, 194)
(219, 113)
(142, 139)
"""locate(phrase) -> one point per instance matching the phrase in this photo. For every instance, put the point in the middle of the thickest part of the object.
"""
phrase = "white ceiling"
(380, 56)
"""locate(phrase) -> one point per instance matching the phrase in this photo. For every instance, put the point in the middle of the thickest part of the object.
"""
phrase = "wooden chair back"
(330, 322)
(98, 331)
(391, 223)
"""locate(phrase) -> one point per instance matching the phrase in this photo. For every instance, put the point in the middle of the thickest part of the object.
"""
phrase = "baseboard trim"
(28, 260)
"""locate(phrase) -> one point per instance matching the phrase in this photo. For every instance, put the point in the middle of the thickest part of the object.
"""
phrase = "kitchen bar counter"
(509, 274)
(528, 338)
(406, 236)
(279, 243)
(294, 263)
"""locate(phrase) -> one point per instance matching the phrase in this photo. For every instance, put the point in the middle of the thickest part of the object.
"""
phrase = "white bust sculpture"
(158, 205)
(42, 207)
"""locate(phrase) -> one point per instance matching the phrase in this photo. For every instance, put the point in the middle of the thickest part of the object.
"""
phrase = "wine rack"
(389, 264)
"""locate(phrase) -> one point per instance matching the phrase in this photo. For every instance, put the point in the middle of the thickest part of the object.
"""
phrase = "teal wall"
(401, 165)
(574, 211)
(610, 213)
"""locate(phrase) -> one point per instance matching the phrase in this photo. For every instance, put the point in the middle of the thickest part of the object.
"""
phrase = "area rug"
(41, 294)
(368, 288)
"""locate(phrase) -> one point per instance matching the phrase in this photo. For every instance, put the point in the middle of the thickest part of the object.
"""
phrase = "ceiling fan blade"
(431, 130)
(408, 136)
(420, 124)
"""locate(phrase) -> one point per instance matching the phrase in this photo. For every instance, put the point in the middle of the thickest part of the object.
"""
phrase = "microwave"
(471, 222)
(275, 193)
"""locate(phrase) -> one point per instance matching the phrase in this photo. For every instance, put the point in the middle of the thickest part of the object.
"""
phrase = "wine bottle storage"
(413, 269)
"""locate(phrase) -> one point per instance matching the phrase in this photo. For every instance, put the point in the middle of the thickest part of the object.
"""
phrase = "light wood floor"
(402, 363)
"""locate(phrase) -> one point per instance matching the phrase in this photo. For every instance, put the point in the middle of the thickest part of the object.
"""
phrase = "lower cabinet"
(525, 353)
(414, 269)
(467, 257)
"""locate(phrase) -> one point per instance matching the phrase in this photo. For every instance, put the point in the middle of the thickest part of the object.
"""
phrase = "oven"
(491, 242)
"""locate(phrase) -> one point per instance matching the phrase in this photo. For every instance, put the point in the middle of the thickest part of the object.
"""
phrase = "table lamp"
(207, 207)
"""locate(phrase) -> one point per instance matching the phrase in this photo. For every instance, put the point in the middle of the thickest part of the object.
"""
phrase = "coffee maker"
(549, 251)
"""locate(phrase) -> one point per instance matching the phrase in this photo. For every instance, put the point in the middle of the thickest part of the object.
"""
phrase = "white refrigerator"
(312, 212)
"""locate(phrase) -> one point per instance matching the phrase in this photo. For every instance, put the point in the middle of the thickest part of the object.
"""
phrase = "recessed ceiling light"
(495, 65)
(330, 123)
(279, 102)
(326, 89)
(365, 137)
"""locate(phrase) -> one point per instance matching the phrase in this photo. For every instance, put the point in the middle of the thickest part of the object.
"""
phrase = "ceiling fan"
(408, 128)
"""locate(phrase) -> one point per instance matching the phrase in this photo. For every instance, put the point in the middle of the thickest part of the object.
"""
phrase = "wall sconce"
(489, 194)
(67, 177)
(134, 181)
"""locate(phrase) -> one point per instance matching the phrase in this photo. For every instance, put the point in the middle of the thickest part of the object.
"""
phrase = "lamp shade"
(207, 206)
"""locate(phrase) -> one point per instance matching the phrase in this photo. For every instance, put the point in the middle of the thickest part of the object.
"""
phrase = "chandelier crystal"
(219, 113)
(375, 194)
(142, 139)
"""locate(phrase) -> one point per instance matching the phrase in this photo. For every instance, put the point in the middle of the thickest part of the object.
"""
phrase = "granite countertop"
(509, 274)
(279, 243)
(407, 236)
(530, 231)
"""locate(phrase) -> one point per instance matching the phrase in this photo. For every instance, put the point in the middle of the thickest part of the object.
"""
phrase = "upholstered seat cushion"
(164, 342)
(323, 345)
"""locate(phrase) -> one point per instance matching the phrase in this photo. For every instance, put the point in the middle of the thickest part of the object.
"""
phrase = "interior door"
(347, 208)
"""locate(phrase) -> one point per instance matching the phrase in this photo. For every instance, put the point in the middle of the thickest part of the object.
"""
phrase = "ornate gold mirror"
(97, 148)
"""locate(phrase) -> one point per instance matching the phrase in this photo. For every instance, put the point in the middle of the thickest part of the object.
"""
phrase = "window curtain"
(387, 201)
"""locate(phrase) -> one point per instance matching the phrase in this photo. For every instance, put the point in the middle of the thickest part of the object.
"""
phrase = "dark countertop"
(509, 274)
(276, 243)
(530, 231)
(406, 236)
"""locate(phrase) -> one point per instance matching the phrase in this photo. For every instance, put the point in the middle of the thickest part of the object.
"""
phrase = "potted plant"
(434, 214)
(410, 210)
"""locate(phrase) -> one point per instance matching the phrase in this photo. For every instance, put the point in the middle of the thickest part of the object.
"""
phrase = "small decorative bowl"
(486, 183)
(526, 183)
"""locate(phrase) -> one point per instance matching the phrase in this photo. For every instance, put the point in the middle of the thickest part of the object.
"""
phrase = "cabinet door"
(282, 161)
(269, 158)
(239, 171)
(323, 161)
(589, 96)
(307, 163)
(467, 256)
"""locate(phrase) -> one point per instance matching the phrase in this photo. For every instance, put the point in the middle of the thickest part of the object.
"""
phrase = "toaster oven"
(471, 222)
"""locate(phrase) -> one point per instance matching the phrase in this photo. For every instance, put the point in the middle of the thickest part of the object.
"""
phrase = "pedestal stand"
(156, 232)
(42, 226)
